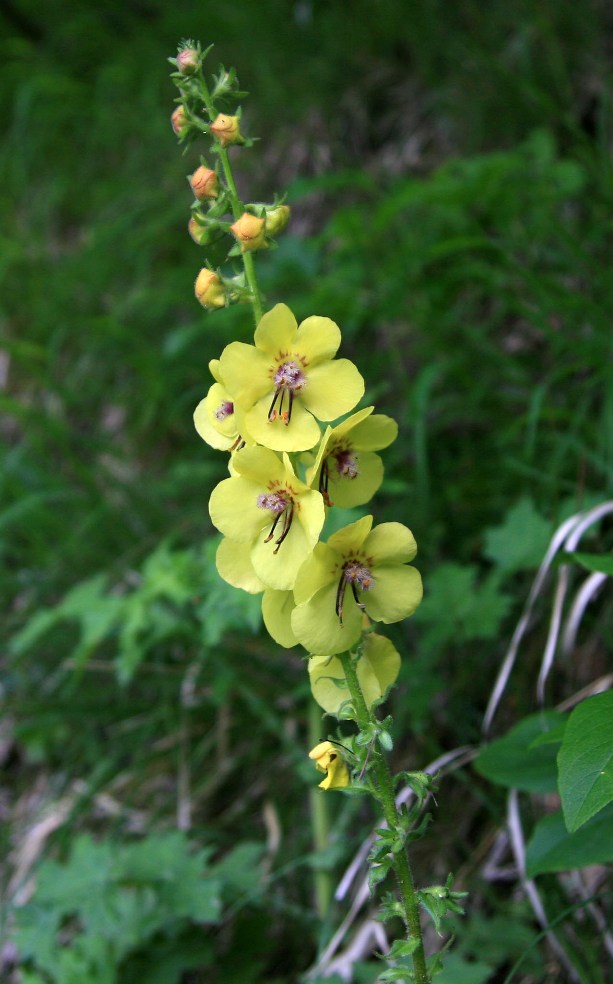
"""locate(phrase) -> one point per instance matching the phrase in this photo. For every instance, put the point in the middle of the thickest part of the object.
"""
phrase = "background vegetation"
(449, 173)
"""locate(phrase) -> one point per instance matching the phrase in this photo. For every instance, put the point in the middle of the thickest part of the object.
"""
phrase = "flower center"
(358, 576)
(280, 504)
(289, 380)
(225, 409)
(346, 466)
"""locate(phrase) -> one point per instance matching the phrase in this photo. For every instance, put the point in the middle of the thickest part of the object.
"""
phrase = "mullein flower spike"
(328, 759)
(290, 379)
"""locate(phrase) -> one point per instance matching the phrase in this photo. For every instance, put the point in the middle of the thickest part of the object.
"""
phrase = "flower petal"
(328, 683)
(332, 389)
(279, 570)
(348, 492)
(276, 330)
(350, 538)
(396, 593)
(320, 568)
(246, 373)
(391, 542)
(234, 509)
(235, 567)
(317, 340)
(300, 434)
(206, 430)
(277, 608)
(318, 628)
(259, 465)
(311, 515)
(374, 434)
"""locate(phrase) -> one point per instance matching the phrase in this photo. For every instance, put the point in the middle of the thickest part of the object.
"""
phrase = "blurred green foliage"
(449, 172)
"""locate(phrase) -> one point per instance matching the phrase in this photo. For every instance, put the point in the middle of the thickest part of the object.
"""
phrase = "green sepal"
(439, 900)
(390, 908)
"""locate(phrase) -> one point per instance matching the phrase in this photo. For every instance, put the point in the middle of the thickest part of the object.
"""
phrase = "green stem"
(320, 824)
(237, 207)
(383, 790)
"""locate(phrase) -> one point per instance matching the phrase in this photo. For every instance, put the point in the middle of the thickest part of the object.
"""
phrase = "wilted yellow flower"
(328, 759)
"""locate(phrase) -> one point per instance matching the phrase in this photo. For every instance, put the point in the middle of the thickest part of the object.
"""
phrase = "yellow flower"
(328, 759)
(359, 570)
(268, 509)
(346, 469)
(217, 420)
(290, 379)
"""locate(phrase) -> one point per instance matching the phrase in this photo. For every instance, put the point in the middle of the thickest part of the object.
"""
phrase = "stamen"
(289, 378)
(324, 478)
(288, 516)
(358, 576)
(280, 504)
(225, 409)
(346, 464)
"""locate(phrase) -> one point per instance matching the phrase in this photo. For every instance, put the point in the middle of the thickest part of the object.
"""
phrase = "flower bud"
(249, 232)
(188, 61)
(209, 289)
(276, 220)
(201, 234)
(204, 183)
(178, 120)
(226, 129)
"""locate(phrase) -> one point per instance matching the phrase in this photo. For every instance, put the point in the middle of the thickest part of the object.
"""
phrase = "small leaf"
(585, 760)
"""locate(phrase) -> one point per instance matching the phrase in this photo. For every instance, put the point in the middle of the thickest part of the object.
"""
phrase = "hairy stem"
(383, 790)
(237, 207)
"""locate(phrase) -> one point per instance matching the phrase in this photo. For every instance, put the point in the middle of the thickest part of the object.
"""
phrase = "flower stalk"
(383, 791)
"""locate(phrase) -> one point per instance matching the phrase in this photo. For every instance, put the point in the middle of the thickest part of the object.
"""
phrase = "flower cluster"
(284, 408)
(270, 406)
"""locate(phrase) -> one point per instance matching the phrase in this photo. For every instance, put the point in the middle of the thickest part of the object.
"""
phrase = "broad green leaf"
(594, 562)
(458, 607)
(520, 541)
(585, 760)
(517, 761)
(552, 848)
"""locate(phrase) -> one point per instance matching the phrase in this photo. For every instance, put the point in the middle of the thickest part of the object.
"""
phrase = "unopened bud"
(201, 234)
(178, 120)
(204, 183)
(188, 61)
(249, 232)
(226, 129)
(209, 289)
(276, 219)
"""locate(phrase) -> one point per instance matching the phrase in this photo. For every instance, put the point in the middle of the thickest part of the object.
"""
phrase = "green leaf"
(585, 760)
(594, 562)
(517, 761)
(552, 848)
(520, 541)
(457, 970)
(458, 607)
